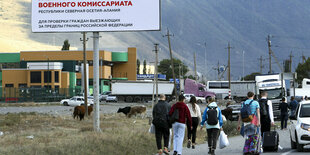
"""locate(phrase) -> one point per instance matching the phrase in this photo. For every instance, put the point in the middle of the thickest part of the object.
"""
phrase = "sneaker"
(175, 153)
(166, 151)
(209, 151)
(193, 146)
(160, 152)
(212, 152)
(189, 144)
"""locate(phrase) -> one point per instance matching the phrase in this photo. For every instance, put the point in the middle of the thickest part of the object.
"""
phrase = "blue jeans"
(178, 136)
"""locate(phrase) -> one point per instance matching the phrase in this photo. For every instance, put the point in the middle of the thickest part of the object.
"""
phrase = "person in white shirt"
(196, 118)
(266, 113)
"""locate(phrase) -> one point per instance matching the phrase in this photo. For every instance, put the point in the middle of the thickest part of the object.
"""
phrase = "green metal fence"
(37, 94)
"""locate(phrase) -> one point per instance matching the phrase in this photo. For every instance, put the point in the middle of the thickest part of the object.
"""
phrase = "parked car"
(300, 126)
(111, 99)
(76, 101)
(104, 96)
(198, 99)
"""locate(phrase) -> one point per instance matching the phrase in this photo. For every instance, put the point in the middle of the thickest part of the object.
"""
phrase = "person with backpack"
(160, 121)
(196, 118)
(266, 113)
(250, 117)
(212, 117)
(183, 116)
(284, 113)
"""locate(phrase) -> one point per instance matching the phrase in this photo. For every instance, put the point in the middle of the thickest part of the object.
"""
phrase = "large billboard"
(95, 15)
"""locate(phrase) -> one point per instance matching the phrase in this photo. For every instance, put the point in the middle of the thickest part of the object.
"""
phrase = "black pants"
(213, 135)
(284, 118)
(265, 125)
(161, 133)
(191, 133)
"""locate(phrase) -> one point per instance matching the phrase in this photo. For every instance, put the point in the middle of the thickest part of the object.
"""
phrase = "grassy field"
(63, 135)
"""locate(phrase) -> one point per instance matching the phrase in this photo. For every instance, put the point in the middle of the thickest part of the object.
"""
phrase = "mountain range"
(244, 23)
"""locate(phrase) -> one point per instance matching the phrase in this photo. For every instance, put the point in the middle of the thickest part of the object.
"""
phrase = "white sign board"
(95, 15)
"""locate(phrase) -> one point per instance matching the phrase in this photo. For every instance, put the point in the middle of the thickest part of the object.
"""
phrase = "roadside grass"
(29, 104)
(63, 135)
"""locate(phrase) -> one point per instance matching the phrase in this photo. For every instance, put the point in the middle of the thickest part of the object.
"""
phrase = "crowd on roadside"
(255, 122)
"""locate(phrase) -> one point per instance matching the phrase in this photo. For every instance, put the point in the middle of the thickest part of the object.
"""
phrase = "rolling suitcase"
(252, 145)
(270, 141)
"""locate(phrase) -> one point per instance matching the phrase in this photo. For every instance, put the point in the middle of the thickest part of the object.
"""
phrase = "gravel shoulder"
(60, 110)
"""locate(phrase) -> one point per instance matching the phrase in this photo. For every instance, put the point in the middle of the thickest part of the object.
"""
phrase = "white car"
(198, 99)
(104, 96)
(111, 99)
(76, 101)
(300, 126)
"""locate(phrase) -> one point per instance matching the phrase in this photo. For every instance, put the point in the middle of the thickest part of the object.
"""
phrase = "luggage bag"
(270, 141)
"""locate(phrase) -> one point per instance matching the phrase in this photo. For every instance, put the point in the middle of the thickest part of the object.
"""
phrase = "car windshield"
(274, 93)
(305, 110)
(107, 93)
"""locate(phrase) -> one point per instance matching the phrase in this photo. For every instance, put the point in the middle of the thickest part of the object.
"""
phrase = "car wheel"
(300, 147)
(66, 104)
(293, 144)
(199, 101)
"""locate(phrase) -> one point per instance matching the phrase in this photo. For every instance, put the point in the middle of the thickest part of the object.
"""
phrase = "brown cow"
(79, 111)
(137, 110)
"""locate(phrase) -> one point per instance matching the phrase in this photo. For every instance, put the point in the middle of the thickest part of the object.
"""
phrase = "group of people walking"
(255, 119)
(188, 115)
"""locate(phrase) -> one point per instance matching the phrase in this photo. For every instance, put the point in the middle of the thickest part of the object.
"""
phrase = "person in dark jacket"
(160, 121)
(284, 113)
(293, 105)
(179, 125)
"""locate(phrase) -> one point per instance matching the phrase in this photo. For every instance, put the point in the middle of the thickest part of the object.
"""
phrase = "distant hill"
(245, 23)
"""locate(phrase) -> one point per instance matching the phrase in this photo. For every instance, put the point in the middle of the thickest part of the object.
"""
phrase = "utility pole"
(84, 70)
(228, 76)
(243, 65)
(291, 61)
(195, 67)
(261, 64)
(218, 70)
(206, 66)
(96, 82)
(172, 65)
(269, 50)
(156, 71)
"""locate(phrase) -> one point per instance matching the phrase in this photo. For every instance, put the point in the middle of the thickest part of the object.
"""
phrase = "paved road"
(236, 146)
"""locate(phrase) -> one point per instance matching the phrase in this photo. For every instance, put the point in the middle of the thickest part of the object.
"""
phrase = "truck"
(274, 85)
(304, 90)
(239, 89)
(140, 91)
(196, 88)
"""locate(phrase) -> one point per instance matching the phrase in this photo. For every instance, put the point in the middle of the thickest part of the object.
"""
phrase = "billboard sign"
(150, 76)
(95, 15)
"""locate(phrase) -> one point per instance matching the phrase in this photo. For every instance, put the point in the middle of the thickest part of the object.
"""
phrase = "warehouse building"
(59, 71)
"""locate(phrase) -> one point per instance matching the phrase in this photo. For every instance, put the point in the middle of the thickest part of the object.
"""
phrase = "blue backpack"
(245, 111)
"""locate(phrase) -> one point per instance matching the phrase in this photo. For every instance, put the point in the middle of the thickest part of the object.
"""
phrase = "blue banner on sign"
(176, 80)
(150, 76)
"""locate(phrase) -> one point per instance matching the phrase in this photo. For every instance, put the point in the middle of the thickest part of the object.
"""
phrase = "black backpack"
(212, 116)
(161, 119)
(174, 117)
(263, 107)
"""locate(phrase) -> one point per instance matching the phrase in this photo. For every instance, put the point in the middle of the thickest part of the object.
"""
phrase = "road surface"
(236, 146)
